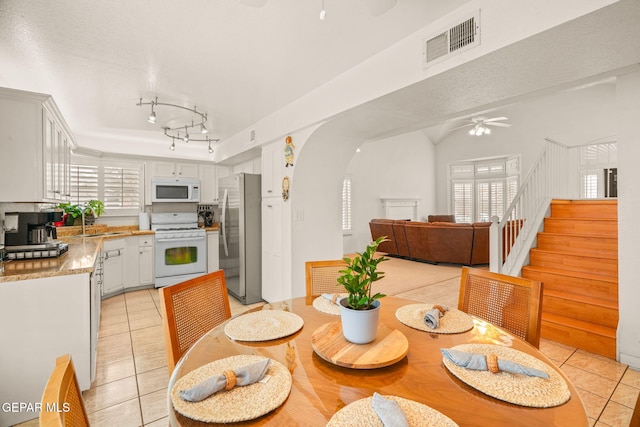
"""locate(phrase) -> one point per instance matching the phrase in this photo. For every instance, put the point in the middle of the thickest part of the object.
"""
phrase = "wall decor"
(285, 188)
(288, 151)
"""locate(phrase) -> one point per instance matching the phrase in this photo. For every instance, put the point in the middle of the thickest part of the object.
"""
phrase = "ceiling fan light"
(487, 131)
(472, 131)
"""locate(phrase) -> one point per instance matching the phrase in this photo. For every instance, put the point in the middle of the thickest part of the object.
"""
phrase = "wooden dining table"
(321, 388)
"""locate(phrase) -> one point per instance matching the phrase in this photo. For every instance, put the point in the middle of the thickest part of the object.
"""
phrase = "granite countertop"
(80, 258)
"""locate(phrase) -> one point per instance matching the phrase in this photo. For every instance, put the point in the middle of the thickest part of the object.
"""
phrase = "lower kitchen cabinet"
(138, 265)
(42, 319)
(113, 255)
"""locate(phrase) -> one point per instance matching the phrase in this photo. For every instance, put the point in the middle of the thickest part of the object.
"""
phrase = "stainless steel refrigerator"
(241, 236)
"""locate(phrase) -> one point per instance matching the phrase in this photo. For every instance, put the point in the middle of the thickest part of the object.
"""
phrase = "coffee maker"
(32, 235)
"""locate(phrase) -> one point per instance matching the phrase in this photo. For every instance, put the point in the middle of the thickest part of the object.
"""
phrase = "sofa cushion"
(441, 218)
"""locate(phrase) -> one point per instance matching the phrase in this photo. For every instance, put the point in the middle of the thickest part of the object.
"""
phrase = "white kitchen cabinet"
(138, 264)
(213, 251)
(208, 185)
(145, 260)
(113, 253)
(272, 170)
(42, 319)
(272, 250)
(34, 137)
(173, 169)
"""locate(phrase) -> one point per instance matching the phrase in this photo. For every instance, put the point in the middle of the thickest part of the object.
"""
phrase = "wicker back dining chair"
(322, 277)
(512, 303)
(190, 309)
(62, 403)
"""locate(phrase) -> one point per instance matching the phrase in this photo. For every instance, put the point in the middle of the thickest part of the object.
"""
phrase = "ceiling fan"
(480, 125)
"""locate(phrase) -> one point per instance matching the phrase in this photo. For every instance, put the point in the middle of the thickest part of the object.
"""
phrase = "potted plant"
(360, 310)
(71, 212)
(92, 210)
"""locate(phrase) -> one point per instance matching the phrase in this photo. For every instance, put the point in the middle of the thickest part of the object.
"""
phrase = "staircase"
(577, 260)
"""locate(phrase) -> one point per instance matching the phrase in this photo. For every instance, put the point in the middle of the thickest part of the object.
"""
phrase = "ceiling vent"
(455, 39)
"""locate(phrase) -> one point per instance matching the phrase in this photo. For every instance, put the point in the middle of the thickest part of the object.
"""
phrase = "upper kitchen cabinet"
(272, 164)
(35, 146)
(177, 170)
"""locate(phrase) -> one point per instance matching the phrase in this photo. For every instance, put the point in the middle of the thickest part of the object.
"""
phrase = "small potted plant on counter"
(92, 210)
(72, 212)
(360, 311)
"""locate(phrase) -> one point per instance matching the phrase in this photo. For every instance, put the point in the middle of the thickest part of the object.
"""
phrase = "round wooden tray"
(389, 347)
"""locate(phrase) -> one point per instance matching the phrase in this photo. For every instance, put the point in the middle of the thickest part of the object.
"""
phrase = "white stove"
(180, 247)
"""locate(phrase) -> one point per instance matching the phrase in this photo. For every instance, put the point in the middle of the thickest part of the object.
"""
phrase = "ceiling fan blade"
(378, 7)
(495, 119)
(502, 125)
(462, 126)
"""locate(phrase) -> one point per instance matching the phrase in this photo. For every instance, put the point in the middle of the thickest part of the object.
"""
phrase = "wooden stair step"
(585, 208)
(578, 243)
(592, 226)
(581, 307)
(605, 266)
(582, 283)
(593, 338)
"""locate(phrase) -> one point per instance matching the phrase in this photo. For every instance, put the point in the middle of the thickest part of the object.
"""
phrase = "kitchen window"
(118, 184)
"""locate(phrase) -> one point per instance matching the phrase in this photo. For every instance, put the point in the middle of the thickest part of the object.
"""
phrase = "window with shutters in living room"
(484, 188)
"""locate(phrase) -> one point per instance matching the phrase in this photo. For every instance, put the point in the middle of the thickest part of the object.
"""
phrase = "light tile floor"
(132, 376)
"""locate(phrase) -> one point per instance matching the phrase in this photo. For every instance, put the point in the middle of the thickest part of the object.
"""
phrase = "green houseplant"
(92, 210)
(72, 211)
(359, 275)
(360, 310)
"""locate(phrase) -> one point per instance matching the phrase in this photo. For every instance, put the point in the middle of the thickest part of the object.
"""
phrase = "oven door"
(179, 258)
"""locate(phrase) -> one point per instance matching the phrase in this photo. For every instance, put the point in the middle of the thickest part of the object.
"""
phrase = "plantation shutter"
(346, 204)
(84, 184)
(122, 187)
(463, 201)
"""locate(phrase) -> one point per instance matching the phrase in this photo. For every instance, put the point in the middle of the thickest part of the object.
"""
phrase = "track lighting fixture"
(323, 12)
(152, 116)
(174, 132)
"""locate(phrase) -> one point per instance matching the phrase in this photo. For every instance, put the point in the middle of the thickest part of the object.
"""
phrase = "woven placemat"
(239, 403)
(361, 413)
(521, 390)
(263, 325)
(454, 321)
(324, 305)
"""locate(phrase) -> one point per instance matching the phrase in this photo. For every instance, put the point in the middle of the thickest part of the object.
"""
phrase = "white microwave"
(175, 190)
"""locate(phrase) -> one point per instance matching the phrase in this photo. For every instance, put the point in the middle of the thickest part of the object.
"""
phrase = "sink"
(110, 233)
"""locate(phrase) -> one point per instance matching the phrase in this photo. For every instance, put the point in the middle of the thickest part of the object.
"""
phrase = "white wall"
(628, 230)
(401, 166)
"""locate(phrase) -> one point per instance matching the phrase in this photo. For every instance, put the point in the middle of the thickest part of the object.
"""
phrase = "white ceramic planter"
(359, 326)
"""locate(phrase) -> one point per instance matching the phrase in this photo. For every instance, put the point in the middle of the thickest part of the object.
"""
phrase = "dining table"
(321, 387)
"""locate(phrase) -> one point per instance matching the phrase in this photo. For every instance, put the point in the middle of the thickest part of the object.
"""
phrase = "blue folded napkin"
(478, 362)
(335, 298)
(432, 316)
(244, 375)
(389, 412)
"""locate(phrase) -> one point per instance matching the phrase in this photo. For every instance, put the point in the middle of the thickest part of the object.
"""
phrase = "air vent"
(455, 39)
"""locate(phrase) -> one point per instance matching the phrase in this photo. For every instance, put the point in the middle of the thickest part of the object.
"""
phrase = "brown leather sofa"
(436, 242)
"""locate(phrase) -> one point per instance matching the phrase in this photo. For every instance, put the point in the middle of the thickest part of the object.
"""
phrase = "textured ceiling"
(236, 60)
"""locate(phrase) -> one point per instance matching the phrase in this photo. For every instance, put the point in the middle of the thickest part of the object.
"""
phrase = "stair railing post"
(495, 246)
